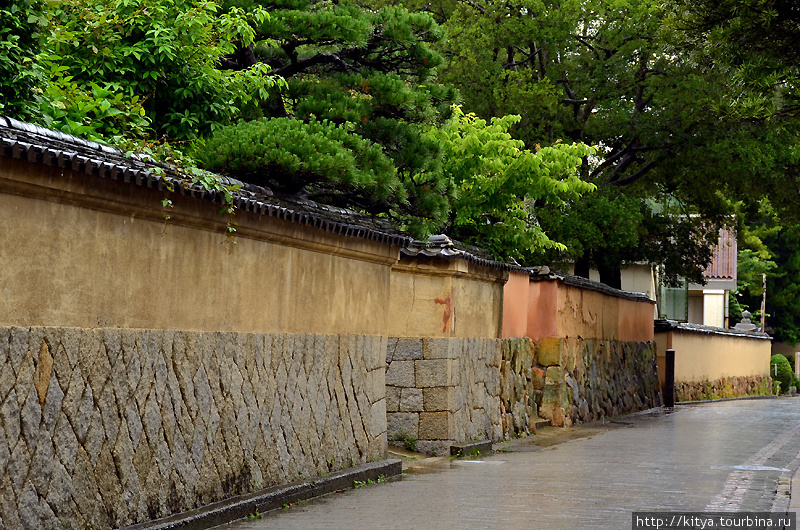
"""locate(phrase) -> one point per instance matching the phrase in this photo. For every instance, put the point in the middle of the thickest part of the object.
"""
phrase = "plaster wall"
(543, 304)
(440, 298)
(592, 314)
(98, 253)
(552, 308)
(703, 357)
(695, 307)
(638, 278)
(515, 304)
(714, 308)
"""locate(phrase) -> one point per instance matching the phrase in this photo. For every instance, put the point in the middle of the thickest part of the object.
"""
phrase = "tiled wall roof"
(43, 146)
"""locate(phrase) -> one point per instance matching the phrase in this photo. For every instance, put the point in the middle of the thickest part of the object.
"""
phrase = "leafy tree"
(320, 159)
(498, 181)
(369, 72)
(783, 286)
(20, 74)
(767, 246)
(600, 73)
(360, 121)
(745, 29)
(619, 76)
(755, 41)
(124, 65)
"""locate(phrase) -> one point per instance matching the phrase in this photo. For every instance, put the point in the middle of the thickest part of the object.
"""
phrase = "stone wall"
(443, 391)
(726, 387)
(109, 427)
(568, 381)
(609, 378)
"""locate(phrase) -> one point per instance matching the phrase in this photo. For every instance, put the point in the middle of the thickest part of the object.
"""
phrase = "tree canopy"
(619, 76)
(329, 101)
(353, 105)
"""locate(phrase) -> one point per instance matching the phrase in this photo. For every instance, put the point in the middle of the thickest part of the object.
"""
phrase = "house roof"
(723, 261)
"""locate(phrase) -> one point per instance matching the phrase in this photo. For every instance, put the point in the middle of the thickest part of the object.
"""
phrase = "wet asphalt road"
(723, 456)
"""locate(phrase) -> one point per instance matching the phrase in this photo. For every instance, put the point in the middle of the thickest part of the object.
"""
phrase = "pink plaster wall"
(542, 310)
(515, 305)
(551, 308)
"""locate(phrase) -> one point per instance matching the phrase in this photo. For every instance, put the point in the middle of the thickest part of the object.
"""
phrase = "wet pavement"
(722, 456)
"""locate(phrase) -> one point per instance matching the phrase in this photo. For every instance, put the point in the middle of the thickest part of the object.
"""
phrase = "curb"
(787, 488)
(471, 448)
(262, 501)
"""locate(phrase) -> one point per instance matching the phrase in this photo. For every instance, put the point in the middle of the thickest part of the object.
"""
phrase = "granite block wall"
(444, 391)
(440, 391)
(104, 428)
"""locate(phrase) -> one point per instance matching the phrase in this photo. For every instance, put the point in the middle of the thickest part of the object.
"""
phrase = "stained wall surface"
(437, 298)
(554, 308)
(86, 252)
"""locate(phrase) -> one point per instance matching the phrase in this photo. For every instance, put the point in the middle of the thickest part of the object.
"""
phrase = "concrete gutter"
(235, 508)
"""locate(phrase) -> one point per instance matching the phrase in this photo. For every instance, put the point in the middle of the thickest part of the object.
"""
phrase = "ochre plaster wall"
(89, 252)
(709, 357)
(445, 298)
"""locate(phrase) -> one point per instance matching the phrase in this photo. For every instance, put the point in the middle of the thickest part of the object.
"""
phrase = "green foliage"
(784, 371)
(768, 245)
(20, 74)
(620, 76)
(601, 73)
(783, 286)
(159, 59)
(499, 182)
(317, 158)
(370, 73)
(92, 112)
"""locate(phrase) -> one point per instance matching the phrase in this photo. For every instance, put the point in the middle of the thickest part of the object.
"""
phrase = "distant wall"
(714, 363)
(572, 307)
(444, 391)
(588, 352)
(568, 381)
